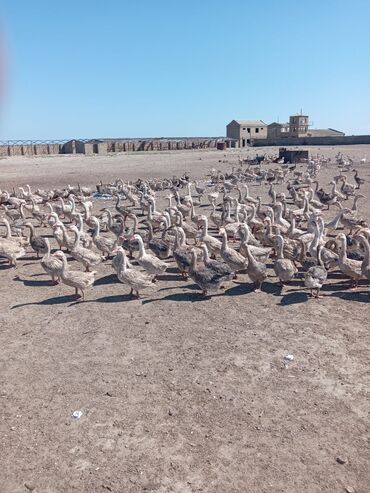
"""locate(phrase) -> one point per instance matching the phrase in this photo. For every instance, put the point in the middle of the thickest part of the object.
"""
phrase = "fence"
(103, 146)
(30, 147)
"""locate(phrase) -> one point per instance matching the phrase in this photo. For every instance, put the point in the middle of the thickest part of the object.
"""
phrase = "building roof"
(278, 124)
(252, 123)
(324, 132)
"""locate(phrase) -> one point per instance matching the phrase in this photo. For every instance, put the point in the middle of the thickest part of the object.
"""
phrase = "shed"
(293, 156)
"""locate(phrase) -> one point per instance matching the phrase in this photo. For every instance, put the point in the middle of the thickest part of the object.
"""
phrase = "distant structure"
(246, 131)
(92, 147)
(298, 127)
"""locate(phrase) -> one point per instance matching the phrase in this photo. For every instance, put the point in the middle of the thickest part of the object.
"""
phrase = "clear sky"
(120, 68)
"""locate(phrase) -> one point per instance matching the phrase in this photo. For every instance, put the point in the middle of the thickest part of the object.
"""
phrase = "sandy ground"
(179, 393)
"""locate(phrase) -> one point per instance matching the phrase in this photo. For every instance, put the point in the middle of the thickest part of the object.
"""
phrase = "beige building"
(277, 130)
(298, 125)
(246, 131)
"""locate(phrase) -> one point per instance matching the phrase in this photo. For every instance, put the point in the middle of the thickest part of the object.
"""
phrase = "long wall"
(314, 141)
(103, 147)
(29, 150)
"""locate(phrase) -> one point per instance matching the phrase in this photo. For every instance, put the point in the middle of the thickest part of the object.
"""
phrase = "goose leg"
(257, 287)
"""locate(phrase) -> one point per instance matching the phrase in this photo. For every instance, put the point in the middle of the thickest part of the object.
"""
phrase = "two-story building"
(246, 131)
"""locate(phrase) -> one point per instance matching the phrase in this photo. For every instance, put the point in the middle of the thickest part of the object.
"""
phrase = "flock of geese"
(215, 229)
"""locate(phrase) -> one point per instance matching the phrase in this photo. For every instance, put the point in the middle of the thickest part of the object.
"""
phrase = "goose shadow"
(107, 299)
(56, 300)
(358, 296)
(294, 298)
(30, 258)
(172, 270)
(109, 279)
(32, 283)
(165, 277)
(193, 297)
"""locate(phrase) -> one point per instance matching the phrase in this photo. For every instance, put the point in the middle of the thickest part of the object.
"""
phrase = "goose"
(284, 268)
(334, 223)
(234, 259)
(87, 206)
(154, 216)
(78, 280)
(85, 238)
(65, 210)
(134, 278)
(159, 246)
(181, 253)
(349, 267)
(316, 275)
(42, 217)
(200, 189)
(259, 253)
(58, 233)
(194, 217)
(219, 267)
(189, 199)
(347, 188)
(329, 258)
(123, 211)
(293, 232)
(213, 196)
(215, 217)
(190, 231)
(355, 201)
(182, 207)
(19, 240)
(246, 198)
(51, 264)
(365, 265)
(150, 263)
(17, 214)
(279, 220)
(358, 180)
(15, 201)
(352, 219)
(253, 221)
(257, 271)
(116, 227)
(86, 257)
(11, 249)
(37, 243)
(207, 279)
(105, 245)
(213, 244)
(259, 212)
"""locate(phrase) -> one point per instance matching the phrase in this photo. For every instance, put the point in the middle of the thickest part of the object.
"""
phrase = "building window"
(257, 130)
(249, 130)
(261, 129)
(243, 128)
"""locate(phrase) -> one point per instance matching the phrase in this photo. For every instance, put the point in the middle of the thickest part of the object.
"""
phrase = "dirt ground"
(179, 393)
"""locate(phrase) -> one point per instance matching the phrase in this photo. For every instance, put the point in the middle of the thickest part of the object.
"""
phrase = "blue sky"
(93, 68)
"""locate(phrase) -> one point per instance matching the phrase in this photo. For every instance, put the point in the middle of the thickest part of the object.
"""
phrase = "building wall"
(314, 141)
(246, 134)
(233, 130)
(298, 125)
(253, 132)
(277, 130)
